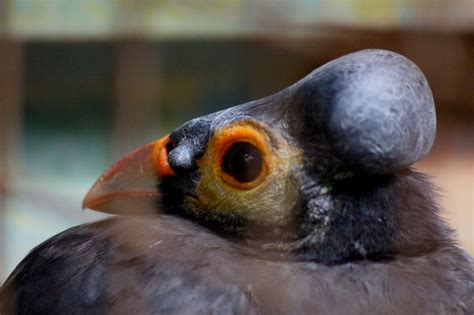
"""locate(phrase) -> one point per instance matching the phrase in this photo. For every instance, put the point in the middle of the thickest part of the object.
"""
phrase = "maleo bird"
(300, 202)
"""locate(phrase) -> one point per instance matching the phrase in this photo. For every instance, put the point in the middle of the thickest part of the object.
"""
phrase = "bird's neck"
(371, 217)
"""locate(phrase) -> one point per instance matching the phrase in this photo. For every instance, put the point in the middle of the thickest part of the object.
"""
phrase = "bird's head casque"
(264, 163)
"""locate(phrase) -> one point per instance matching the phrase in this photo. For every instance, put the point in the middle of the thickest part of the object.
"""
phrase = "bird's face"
(230, 169)
(266, 164)
(245, 172)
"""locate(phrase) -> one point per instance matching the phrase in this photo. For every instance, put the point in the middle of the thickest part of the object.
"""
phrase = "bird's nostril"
(181, 158)
(169, 147)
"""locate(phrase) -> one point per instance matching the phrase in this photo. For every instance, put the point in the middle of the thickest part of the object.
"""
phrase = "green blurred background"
(83, 82)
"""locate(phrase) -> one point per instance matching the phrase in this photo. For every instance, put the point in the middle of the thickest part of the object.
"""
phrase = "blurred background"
(83, 82)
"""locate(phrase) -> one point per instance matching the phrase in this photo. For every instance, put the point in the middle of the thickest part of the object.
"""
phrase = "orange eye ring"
(224, 139)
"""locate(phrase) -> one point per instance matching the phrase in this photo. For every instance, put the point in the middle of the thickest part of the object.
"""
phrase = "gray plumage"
(163, 264)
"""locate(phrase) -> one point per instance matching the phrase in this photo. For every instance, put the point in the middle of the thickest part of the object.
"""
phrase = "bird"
(302, 202)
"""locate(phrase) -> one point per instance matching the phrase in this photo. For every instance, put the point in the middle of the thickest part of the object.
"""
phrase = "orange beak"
(130, 186)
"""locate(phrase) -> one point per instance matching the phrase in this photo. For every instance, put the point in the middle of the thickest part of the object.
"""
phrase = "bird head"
(312, 166)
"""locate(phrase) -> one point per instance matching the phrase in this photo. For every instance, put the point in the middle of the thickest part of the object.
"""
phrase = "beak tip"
(132, 181)
(89, 200)
(84, 205)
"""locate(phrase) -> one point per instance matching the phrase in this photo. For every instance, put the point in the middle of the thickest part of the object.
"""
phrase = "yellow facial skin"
(269, 199)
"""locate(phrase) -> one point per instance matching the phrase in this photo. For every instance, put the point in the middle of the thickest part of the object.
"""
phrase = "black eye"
(243, 161)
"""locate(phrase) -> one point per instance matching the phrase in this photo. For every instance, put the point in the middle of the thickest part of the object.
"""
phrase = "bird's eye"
(243, 161)
(240, 155)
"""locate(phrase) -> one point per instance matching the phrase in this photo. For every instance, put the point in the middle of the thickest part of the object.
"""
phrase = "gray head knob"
(375, 109)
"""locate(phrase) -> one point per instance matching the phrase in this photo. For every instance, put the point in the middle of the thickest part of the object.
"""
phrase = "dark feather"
(164, 264)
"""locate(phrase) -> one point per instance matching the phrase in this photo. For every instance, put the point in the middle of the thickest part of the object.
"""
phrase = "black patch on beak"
(189, 143)
(181, 159)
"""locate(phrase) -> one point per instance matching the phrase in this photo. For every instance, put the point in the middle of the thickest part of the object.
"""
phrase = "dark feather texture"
(171, 266)
(165, 264)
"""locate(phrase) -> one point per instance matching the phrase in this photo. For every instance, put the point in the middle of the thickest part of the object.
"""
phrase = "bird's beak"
(130, 186)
